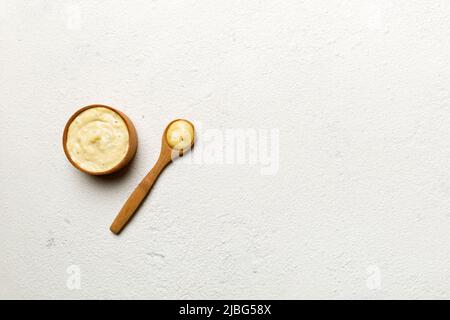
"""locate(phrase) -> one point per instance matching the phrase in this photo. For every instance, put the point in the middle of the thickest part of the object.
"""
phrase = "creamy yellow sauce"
(97, 139)
(180, 135)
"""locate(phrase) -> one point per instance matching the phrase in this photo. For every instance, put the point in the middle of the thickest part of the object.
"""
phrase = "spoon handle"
(139, 194)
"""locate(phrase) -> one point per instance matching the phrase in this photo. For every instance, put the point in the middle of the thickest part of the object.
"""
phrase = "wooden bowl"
(132, 141)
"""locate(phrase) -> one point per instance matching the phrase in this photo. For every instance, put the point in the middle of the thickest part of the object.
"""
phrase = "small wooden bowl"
(132, 141)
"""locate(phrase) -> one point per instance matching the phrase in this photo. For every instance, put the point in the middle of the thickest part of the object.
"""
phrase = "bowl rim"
(132, 140)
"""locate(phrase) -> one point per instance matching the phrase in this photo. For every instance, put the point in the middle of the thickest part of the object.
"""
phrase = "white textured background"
(358, 89)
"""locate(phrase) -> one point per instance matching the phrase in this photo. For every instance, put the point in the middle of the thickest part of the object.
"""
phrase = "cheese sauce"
(180, 135)
(97, 139)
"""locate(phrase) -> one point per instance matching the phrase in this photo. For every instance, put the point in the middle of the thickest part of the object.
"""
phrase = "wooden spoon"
(168, 154)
